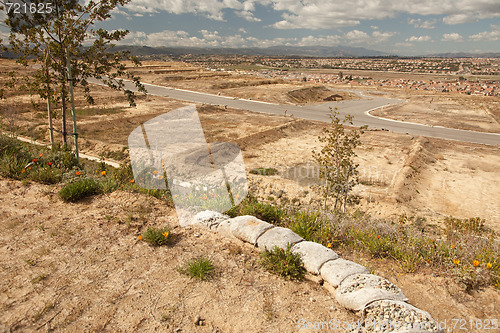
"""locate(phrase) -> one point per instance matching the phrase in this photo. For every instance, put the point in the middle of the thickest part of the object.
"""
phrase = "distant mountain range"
(299, 51)
(303, 51)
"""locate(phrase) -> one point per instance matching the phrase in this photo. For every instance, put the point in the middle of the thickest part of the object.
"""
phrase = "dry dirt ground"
(475, 113)
(81, 268)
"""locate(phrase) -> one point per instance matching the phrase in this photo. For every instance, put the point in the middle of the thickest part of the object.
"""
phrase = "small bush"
(78, 190)
(12, 166)
(124, 174)
(157, 237)
(306, 225)
(108, 185)
(285, 263)
(45, 175)
(264, 171)
(200, 268)
(267, 212)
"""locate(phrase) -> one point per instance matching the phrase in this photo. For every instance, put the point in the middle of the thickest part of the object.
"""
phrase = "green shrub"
(124, 174)
(45, 175)
(80, 189)
(157, 237)
(267, 212)
(200, 268)
(306, 225)
(285, 263)
(12, 166)
(108, 185)
(264, 171)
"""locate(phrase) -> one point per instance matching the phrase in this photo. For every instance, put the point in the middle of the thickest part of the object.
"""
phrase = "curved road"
(359, 109)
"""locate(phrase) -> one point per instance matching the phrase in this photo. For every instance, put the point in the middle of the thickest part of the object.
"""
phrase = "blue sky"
(400, 27)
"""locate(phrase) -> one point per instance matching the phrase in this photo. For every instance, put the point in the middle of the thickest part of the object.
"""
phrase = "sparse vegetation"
(157, 237)
(264, 171)
(285, 263)
(465, 240)
(200, 268)
(79, 189)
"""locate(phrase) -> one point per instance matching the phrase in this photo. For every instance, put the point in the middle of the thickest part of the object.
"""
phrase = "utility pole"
(72, 99)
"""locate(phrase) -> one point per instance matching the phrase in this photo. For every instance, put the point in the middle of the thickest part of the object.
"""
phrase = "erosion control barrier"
(382, 305)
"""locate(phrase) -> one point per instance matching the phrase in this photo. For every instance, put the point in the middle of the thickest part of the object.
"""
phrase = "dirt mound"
(245, 83)
(313, 94)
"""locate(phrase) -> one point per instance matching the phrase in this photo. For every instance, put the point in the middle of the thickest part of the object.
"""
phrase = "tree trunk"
(63, 100)
(49, 109)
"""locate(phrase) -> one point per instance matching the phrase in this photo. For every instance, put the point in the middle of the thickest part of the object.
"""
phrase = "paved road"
(359, 109)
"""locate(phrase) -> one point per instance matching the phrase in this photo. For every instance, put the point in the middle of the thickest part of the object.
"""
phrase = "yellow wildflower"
(165, 234)
(476, 263)
(489, 265)
(456, 261)
(329, 245)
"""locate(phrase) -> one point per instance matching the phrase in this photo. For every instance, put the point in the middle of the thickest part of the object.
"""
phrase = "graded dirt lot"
(475, 113)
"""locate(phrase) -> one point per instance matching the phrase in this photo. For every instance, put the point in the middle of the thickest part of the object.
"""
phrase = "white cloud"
(320, 40)
(247, 15)
(452, 37)
(206, 38)
(418, 39)
(325, 14)
(357, 36)
(382, 36)
(492, 35)
(458, 19)
(422, 24)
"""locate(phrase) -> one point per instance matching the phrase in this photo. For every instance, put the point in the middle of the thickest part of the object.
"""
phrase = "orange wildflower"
(49, 163)
(22, 171)
(41, 154)
(132, 181)
(475, 263)
(155, 172)
(378, 236)
(29, 168)
(140, 237)
(103, 173)
(329, 245)
(456, 262)
(78, 173)
(165, 234)
(34, 160)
